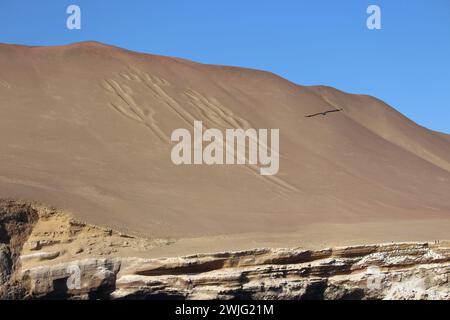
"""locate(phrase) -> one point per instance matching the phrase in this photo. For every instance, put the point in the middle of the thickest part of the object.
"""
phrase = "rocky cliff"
(46, 254)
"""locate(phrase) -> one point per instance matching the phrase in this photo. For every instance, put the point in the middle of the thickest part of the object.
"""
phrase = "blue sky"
(406, 63)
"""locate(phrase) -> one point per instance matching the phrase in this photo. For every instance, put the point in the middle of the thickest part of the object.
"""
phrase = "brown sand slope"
(86, 127)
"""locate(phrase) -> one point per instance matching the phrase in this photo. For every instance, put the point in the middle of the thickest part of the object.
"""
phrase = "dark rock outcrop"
(16, 222)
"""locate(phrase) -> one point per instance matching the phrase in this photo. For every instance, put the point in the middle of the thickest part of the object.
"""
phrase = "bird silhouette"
(324, 113)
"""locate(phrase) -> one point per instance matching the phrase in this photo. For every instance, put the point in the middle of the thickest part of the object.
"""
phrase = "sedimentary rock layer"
(64, 264)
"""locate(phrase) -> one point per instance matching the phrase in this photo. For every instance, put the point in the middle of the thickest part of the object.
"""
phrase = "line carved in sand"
(210, 108)
(222, 117)
(126, 105)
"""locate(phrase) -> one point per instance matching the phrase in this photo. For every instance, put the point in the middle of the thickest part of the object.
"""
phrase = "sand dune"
(86, 127)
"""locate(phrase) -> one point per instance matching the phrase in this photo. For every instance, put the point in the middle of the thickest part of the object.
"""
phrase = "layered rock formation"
(74, 260)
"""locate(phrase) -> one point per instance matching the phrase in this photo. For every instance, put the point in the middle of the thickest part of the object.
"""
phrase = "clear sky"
(406, 63)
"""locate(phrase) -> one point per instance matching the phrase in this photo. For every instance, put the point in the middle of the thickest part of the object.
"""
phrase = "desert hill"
(86, 127)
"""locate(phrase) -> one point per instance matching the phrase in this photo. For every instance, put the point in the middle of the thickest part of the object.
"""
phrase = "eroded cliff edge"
(45, 253)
